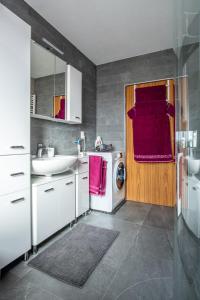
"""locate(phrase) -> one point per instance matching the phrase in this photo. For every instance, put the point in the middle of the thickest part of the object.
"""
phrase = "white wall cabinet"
(53, 206)
(15, 83)
(15, 223)
(82, 186)
(74, 95)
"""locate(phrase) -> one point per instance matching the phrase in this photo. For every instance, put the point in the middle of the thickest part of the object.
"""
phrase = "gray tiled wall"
(61, 135)
(111, 79)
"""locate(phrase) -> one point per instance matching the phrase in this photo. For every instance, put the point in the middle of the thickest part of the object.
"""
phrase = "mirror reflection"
(47, 83)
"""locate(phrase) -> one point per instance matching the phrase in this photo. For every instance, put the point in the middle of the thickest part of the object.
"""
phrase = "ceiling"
(109, 30)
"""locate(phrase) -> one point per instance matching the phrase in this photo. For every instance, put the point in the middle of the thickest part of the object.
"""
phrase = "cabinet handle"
(77, 117)
(85, 177)
(49, 190)
(68, 183)
(17, 174)
(17, 147)
(17, 200)
(84, 163)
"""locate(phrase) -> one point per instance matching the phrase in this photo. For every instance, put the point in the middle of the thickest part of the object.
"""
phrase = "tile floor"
(139, 264)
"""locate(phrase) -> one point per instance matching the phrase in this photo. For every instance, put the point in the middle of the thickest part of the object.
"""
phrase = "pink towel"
(96, 163)
(103, 182)
(98, 170)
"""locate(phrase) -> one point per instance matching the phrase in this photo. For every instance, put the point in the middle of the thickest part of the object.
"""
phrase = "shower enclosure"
(187, 232)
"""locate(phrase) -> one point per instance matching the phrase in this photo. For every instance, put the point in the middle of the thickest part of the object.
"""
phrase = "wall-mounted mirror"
(48, 88)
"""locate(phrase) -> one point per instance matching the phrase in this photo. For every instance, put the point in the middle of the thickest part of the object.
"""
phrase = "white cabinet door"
(82, 194)
(74, 95)
(15, 226)
(66, 198)
(15, 36)
(45, 204)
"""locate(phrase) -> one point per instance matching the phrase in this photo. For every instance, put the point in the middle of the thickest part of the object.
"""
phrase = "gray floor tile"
(155, 289)
(134, 212)
(160, 216)
(24, 289)
(151, 257)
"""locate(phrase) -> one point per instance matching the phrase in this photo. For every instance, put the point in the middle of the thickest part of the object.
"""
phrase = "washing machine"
(115, 182)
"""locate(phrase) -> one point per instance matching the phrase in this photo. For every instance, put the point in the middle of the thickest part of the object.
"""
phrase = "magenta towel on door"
(151, 128)
(150, 93)
(98, 170)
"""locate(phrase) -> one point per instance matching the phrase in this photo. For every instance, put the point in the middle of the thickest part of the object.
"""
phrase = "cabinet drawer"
(82, 193)
(15, 173)
(15, 226)
(83, 165)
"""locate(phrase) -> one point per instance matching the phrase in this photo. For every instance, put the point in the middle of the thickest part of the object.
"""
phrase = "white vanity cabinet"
(53, 205)
(74, 95)
(82, 186)
(15, 37)
(15, 216)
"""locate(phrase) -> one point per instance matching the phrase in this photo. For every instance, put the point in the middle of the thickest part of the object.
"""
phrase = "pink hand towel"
(103, 183)
(95, 168)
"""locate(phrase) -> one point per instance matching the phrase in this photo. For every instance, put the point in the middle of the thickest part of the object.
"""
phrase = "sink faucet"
(40, 149)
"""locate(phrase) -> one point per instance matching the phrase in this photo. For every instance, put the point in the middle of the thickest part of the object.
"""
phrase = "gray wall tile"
(111, 79)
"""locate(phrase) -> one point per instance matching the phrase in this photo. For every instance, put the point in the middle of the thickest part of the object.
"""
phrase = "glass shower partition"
(187, 242)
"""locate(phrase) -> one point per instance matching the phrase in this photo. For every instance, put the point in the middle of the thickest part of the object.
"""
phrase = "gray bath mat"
(73, 258)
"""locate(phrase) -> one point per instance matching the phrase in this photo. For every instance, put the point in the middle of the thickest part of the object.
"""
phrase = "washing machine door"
(119, 175)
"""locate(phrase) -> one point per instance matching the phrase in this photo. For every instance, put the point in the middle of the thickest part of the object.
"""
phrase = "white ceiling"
(109, 30)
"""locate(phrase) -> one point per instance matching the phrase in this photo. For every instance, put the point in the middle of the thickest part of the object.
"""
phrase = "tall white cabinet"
(15, 37)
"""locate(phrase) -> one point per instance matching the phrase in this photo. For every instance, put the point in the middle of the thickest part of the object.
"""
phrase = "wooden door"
(153, 183)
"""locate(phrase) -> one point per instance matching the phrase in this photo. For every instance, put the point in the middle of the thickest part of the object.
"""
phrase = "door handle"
(49, 190)
(17, 174)
(68, 183)
(17, 147)
(85, 177)
(17, 200)
(77, 117)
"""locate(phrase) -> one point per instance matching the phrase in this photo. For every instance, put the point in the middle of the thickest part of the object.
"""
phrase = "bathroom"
(92, 205)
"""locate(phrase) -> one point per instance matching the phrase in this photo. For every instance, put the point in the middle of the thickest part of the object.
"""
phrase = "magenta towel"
(95, 171)
(103, 182)
(150, 93)
(151, 127)
(61, 113)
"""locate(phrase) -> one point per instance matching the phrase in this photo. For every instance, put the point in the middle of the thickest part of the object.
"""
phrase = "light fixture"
(52, 46)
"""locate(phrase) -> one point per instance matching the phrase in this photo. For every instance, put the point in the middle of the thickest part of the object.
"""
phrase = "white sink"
(193, 165)
(49, 166)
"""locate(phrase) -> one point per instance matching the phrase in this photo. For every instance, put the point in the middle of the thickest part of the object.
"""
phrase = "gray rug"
(74, 257)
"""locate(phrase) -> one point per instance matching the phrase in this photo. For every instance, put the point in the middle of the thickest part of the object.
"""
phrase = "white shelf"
(41, 117)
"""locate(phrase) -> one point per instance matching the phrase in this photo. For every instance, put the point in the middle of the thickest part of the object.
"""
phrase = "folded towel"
(95, 168)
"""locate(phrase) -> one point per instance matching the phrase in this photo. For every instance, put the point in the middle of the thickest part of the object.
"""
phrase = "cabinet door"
(82, 192)
(15, 36)
(45, 212)
(74, 95)
(15, 226)
(66, 198)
